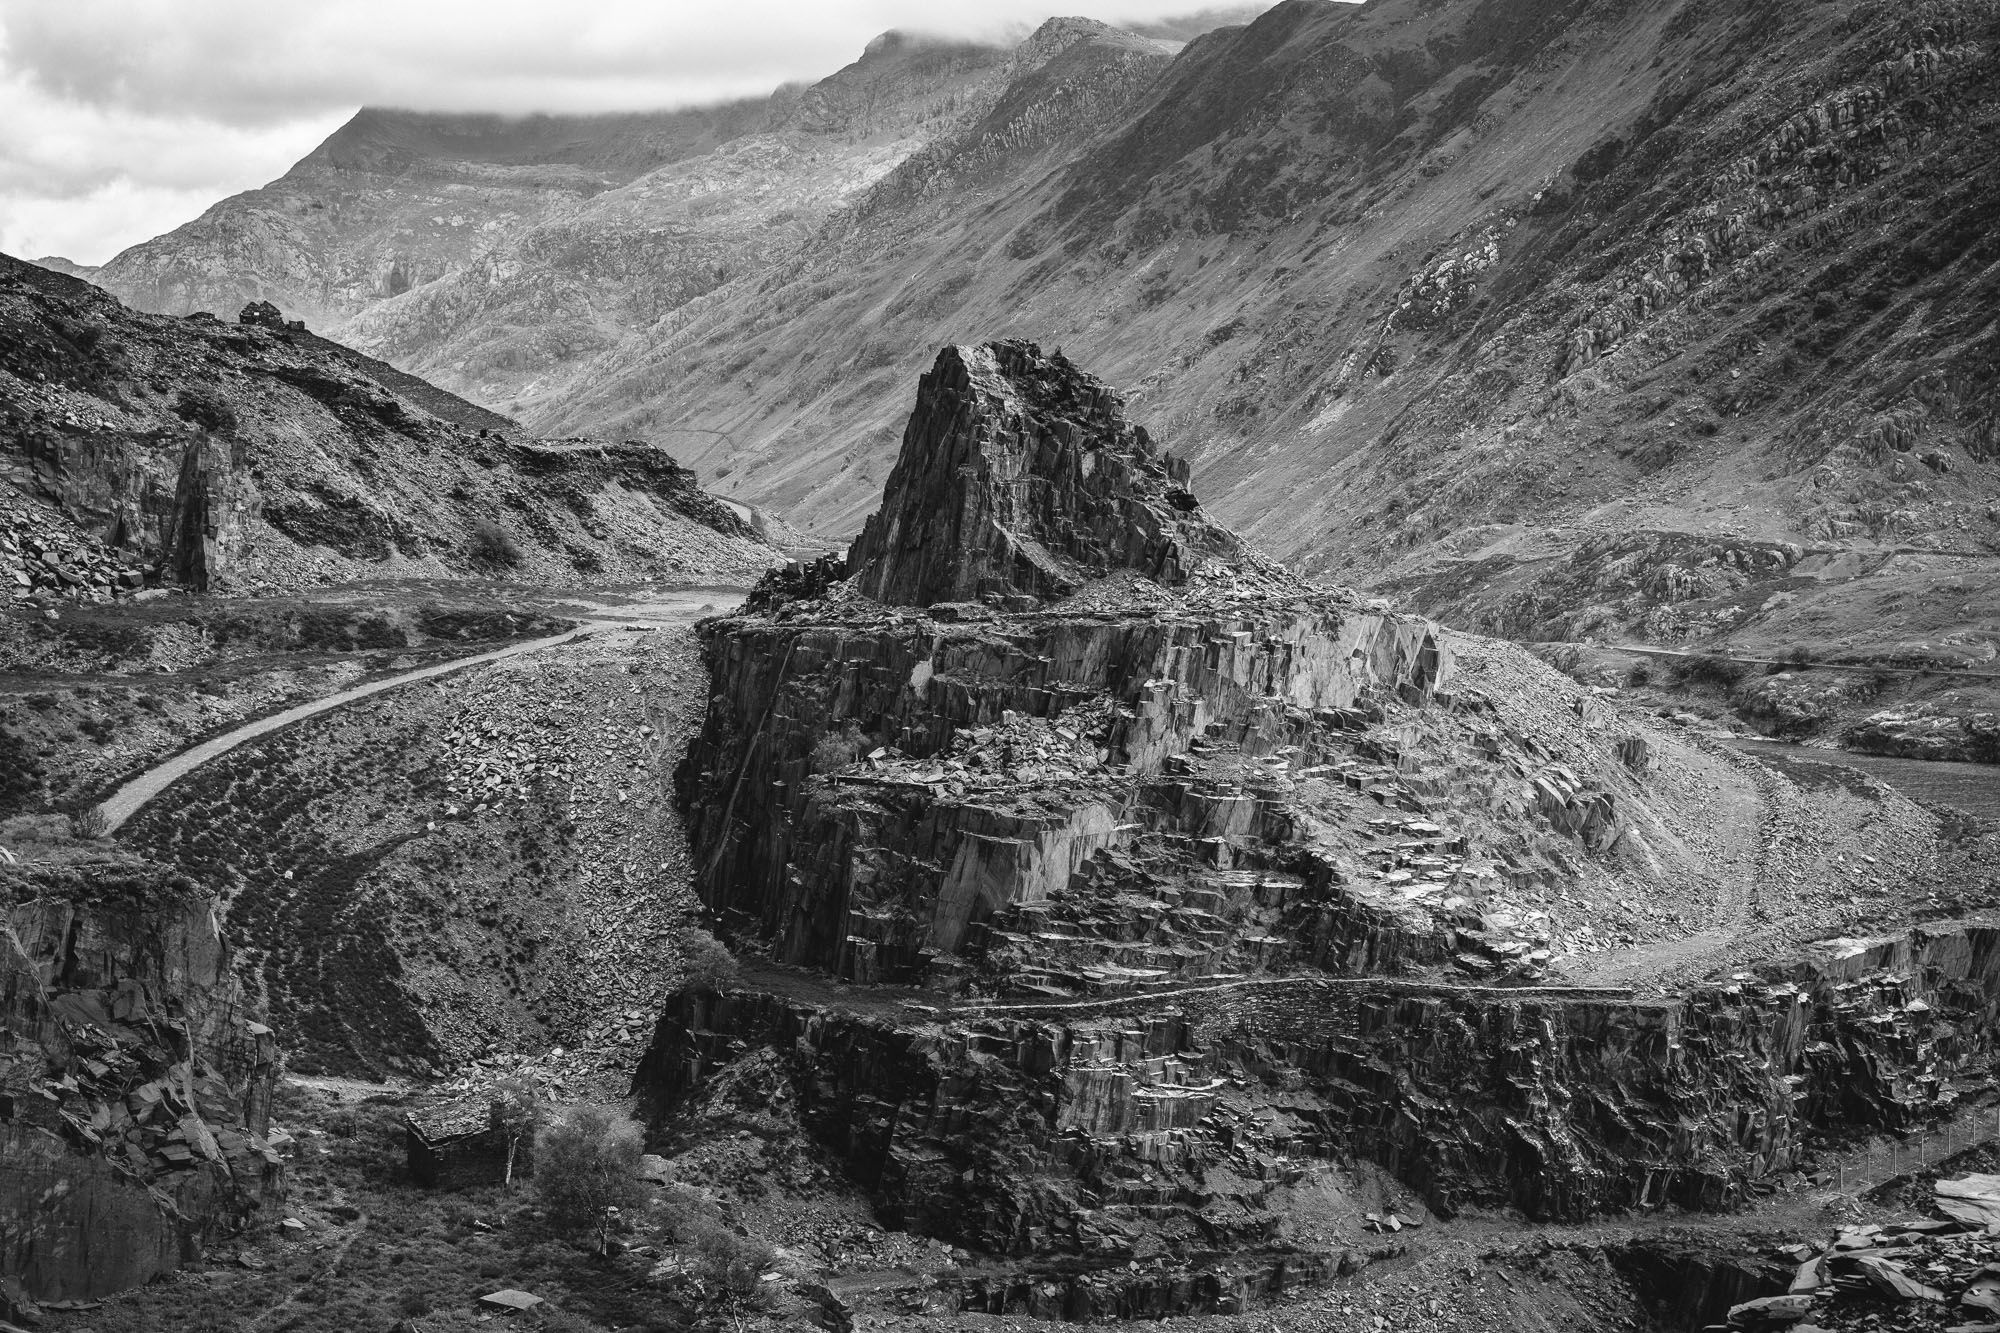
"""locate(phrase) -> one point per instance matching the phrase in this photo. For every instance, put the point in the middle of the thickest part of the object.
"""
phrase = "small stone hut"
(459, 1144)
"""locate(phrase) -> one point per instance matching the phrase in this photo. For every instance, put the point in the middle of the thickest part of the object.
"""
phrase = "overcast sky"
(121, 119)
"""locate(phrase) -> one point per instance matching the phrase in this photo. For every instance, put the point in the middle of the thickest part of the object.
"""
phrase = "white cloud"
(120, 119)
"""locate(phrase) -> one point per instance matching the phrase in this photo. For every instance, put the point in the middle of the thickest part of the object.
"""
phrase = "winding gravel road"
(129, 799)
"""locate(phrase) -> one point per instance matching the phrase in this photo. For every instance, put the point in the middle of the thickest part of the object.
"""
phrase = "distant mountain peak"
(898, 40)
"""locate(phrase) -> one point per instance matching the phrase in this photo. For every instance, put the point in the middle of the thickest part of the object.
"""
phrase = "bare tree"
(515, 1113)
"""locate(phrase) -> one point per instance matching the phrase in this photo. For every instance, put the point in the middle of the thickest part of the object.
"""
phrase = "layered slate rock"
(135, 1078)
(1178, 899)
(1021, 476)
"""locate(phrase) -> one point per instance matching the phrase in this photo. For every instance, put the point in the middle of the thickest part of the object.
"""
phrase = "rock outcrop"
(1021, 478)
(1093, 1129)
(1164, 882)
(135, 1082)
(1929, 731)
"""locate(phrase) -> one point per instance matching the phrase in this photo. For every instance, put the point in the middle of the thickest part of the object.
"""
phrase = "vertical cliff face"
(1022, 476)
(135, 1085)
(1025, 1129)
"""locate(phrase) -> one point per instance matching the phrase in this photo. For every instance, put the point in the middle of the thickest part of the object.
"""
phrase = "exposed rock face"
(1026, 1129)
(1019, 476)
(1193, 880)
(135, 1083)
(1929, 732)
(138, 449)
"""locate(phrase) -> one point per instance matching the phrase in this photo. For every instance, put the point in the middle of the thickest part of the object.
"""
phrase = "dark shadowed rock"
(135, 1081)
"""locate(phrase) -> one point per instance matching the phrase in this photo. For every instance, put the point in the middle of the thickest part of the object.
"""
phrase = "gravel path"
(129, 799)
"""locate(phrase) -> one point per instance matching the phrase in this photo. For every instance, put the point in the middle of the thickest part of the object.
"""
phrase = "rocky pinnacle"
(1021, 476)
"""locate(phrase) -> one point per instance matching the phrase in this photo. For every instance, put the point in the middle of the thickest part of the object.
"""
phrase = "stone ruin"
(1162, 881)
(462, 1144)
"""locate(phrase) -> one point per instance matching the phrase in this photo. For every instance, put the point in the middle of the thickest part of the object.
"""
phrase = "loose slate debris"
(1926, 1274)
(1973, 1199)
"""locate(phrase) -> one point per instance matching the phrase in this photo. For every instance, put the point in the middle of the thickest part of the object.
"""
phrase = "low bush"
(491, 545)
(836, 749)
(207, 409)
(723, 1263)
(710, 966)
(90, 822)
(21, 773)
(1716, 669)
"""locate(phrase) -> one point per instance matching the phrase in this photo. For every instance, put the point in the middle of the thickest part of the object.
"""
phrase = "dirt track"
(130, 798)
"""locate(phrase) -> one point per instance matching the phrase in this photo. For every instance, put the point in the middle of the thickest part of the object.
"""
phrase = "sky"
(122, 119)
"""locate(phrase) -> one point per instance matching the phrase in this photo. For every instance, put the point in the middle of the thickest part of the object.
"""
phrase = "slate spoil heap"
(1131, 905)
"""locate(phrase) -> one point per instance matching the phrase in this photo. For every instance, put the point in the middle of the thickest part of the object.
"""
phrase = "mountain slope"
(506, 323)
(394, 199)
(803, 396)
(1460, 297)
(142, 449)
(483, 251)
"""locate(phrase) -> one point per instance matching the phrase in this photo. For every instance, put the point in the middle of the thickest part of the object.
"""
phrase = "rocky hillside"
(140, 449)
(1563, 318)
(395, 199)
(512, 323)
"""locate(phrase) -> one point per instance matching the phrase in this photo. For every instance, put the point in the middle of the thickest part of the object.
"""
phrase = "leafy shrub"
(710, 966)
(836, 749)
(1640, 674)
(21, 773)
(724, 1263)
(587, 1169)
(490, 544)
(1717, 669)
(90, 823)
